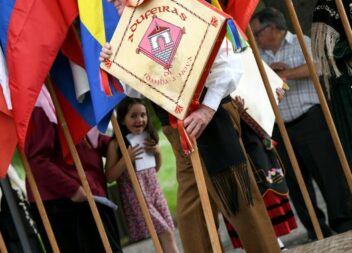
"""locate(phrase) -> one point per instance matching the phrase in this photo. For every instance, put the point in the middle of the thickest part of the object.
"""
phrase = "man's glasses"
(257, 33)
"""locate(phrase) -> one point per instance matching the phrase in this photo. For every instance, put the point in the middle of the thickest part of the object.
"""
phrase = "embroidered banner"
(164, 49)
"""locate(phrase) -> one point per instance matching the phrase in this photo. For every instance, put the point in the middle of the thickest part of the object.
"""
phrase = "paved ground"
(295, 238)
(340, 243)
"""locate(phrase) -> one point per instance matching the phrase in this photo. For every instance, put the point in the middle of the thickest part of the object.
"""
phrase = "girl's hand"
(151, 146)
(135, 152)
(105, 52)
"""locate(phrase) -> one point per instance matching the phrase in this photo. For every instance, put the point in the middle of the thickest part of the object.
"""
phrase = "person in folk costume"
(229, 177)
(267, 170)
(59, 185)
(268, 173)
(306, 127)
(333, 55)
(142, 140)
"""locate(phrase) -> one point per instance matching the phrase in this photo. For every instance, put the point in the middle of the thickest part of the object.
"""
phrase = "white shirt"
(302, 95)
(224, 75)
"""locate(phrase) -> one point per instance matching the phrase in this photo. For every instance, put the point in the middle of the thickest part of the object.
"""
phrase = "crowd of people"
(250, 184)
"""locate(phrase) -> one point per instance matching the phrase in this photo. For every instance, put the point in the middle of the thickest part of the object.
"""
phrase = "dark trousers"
(74, 227)
(318, 160)
(10, 232)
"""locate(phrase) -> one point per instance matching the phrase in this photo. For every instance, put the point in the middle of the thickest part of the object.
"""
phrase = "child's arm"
(116, 165)
(158, 160)
(152, 147)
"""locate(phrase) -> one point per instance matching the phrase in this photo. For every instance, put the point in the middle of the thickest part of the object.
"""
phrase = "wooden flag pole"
(317, 85)
(38, 201)
(285, 136)
(79, 168)
(344, 20)
(136, 185)
(204, 199)
(3, 248)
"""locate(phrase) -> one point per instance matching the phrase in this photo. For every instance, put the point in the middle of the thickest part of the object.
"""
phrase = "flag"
(98, 22)
(79, 116)
(36, 31)
(69, 76)
(241, 11)
(8, 138)
(5, 14)
(72, 49)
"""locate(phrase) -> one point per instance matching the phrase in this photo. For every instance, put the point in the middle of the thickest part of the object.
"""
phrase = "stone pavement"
(340, 243)
(295, 238)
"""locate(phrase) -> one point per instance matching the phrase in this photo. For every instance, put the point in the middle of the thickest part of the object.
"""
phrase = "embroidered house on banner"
(164, 49)
(161, 41)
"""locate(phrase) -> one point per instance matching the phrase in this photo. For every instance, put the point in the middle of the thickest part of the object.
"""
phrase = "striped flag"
(98, 22)
(72, 89)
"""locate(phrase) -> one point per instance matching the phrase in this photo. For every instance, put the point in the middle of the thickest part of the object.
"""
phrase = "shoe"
(342, 226)
(324, 229)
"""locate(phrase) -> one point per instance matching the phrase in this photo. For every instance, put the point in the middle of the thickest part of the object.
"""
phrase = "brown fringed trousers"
(251, 222)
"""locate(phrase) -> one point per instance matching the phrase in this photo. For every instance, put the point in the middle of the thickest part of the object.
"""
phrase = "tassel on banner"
(105, 83)
(117, 85)
(186, 142)
(233, 34)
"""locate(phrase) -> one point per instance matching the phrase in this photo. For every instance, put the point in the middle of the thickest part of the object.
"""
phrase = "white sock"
(281, 244)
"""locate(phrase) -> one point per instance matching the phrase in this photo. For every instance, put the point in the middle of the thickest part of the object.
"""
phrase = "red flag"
(241, 11)
(36, 32)
(8, 139)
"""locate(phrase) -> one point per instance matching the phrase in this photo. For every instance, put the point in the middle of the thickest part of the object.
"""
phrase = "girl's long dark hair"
(122, 109)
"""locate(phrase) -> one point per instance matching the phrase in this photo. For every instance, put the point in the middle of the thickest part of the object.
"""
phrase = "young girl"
(144, 151)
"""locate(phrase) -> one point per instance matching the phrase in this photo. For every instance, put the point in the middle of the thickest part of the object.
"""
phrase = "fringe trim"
(324, 38)
(230, 183)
